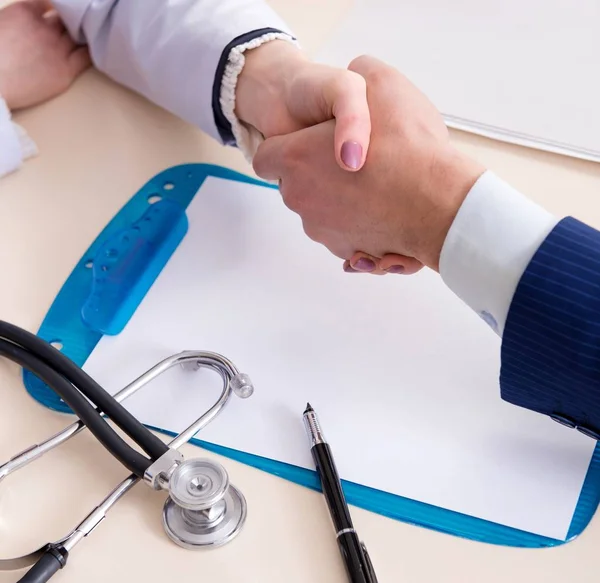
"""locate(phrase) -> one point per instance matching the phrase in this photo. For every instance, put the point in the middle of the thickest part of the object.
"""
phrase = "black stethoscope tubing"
(73, 385)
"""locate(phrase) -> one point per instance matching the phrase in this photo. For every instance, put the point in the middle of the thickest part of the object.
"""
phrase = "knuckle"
(262, 164)
(311, 231)
(292, 199)
(339, 251)
(324, 237)
(289, 152)
(359, 63)
(257, 164)
(371, 70)
(378, 76)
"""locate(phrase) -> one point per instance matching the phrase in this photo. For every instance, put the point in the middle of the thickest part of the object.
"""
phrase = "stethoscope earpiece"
(203, 509)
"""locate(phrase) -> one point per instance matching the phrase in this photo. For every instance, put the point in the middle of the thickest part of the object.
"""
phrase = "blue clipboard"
(111, 279)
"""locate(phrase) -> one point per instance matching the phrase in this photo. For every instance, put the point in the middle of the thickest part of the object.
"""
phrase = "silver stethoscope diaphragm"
(198, 484)
(203, 508)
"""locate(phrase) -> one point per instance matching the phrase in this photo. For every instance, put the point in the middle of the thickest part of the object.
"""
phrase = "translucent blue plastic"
(127, 264)
(111, 280)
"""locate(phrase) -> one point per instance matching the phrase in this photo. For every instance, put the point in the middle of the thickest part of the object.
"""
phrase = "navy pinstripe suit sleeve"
(551, 341)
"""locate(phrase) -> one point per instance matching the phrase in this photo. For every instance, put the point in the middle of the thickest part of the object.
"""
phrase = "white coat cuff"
(15, 144)
(247, 137)
(168, 51)
(494, 236)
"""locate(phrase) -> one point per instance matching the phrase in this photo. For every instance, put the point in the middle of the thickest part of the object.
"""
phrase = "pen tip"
(308, 409)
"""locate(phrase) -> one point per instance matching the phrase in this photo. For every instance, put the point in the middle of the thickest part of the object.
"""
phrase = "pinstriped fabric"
(551, 341)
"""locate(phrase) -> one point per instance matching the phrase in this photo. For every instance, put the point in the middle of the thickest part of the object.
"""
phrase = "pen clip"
(368, 564)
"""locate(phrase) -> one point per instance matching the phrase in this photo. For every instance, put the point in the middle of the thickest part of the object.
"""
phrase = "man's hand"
(38, 59)
(281, 91)
(404, 199)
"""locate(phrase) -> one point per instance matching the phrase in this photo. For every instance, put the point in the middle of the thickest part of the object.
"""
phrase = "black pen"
(354, 553)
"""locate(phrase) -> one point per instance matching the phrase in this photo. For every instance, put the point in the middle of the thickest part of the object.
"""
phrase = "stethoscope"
(203, 509)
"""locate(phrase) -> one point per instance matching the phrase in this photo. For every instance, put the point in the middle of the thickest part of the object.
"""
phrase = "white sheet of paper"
(521, 72)
(402, 374)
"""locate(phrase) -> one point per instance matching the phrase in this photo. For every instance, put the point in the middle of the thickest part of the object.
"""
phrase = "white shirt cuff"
(15, 144)
(247, 137)
(494, 236)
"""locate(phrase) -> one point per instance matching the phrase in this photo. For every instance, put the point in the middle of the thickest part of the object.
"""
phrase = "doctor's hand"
(38, 59)
(404, 199)
(281, 91)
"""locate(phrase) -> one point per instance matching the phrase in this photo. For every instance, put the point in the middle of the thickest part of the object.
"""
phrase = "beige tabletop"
(98, 145)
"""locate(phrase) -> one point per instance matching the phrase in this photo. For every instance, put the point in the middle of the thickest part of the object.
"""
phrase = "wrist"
(262, 85)
(452, 177)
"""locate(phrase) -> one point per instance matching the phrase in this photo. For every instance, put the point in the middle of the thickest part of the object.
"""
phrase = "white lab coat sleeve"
(15, 145)
(173, 52)
(494, 236)
(246, 137)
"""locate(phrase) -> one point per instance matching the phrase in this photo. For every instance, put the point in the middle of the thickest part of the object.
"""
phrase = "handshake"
(384, 201)
(360, 154)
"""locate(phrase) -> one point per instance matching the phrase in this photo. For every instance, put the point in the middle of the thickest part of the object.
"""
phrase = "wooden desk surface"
(99, 143)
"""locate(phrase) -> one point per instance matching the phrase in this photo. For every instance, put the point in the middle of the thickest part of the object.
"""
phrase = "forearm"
(251, 87)
(173, 53)
(551, 342)
(536, 281)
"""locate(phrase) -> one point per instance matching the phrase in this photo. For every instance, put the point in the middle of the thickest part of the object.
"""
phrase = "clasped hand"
(393, 215)
(361, 155)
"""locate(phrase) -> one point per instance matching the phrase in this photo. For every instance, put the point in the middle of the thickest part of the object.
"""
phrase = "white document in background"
(403, 375)
(525, 72)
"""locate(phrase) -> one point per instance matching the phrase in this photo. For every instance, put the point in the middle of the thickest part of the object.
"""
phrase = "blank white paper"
(402, 374)
(522, 72)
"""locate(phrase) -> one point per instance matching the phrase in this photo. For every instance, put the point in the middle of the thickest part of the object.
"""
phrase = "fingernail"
(351, 154)
(365, 264)
(396, 269)
(349, 269)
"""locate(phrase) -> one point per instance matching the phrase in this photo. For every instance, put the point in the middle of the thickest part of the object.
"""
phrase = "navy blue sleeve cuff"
(551, 342)
(223, 126)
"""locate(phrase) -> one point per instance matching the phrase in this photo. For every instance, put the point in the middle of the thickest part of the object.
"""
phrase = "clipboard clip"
(127, 264)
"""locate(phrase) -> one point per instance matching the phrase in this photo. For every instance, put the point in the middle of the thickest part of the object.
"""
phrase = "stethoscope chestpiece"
(203, 509)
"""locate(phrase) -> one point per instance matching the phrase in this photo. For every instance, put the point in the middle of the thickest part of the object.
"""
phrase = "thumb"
(347, 97)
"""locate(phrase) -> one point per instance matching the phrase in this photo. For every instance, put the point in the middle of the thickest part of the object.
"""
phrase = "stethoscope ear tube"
(73, 385)
(217, 512)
